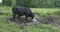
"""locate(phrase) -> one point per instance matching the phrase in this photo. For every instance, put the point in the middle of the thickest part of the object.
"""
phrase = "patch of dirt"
(22, 22)
(52, 20)
(18, 20)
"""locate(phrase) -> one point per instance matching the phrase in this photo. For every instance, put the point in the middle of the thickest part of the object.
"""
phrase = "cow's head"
(33, 18)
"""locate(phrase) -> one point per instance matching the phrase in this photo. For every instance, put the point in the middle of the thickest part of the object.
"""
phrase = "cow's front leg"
(26, 18)
(18, 17)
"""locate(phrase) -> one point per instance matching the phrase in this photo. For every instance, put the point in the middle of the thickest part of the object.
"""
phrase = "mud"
(51, 20)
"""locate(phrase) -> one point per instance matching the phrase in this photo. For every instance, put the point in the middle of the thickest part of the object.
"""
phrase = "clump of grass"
(46, 11)
(57, 13)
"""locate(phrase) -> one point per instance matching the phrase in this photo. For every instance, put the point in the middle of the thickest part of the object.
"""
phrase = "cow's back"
(21, 10)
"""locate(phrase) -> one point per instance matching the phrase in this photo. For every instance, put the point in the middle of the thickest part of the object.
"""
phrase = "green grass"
(46, 11)
(6, 26)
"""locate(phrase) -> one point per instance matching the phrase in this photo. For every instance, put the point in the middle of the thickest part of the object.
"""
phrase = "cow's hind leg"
(14, 16)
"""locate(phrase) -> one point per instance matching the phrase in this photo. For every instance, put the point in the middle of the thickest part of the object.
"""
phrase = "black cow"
(20, 11)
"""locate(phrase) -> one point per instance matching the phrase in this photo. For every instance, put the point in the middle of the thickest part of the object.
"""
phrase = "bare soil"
(51, 20)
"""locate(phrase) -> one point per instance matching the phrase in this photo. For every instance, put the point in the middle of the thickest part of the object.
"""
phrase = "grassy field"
(46, 11)
(6, 26)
